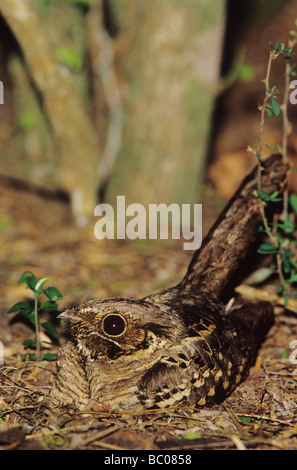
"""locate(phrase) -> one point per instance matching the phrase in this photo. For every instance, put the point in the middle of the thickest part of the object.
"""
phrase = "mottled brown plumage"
(180, 345)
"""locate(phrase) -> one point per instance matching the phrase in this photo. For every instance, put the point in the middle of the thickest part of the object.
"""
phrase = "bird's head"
(115, 327)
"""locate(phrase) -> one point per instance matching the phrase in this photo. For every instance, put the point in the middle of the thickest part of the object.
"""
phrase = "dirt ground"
(38, 234)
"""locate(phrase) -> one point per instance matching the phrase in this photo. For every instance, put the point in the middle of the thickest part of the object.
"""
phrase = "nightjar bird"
(181, 345)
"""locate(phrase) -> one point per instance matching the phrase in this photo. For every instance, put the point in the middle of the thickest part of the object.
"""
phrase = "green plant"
(281, 231)
(52, 295)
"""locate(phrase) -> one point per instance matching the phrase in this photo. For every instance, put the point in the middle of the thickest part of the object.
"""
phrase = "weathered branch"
(229, 240)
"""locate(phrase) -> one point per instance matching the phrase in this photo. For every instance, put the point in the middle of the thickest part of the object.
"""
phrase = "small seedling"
(52, 295)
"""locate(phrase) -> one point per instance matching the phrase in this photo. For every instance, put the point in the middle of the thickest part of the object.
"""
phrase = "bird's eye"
(114, 325)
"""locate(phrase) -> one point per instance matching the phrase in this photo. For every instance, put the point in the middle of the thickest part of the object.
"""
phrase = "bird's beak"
(70, 315)
(64, 314)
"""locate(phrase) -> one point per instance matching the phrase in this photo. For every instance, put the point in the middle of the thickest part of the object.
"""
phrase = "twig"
(284, 108)
(286, 132)
(17, 410)
(262, 393)
(102, 59)
(238, 443)
(235, 421)
(272, 56)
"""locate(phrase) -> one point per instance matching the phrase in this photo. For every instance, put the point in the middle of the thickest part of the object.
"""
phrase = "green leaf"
(263, 195)
(245, 419)
(50, 329)
(274, 197)
(293, 202)
(30, 280)
(274, 90)
(49, 357)
(274, 147)
(261, 160)
(268, 197)
(49, 305)
(293, 278)
(280, 238)
(40, 283)
(192, 435)
(20, 306)
(286, 226)
(275, 106)
(281, 48)
(286, 266)
(266, 248)
(24, 309)
(52, 293)
(30, 356)
(29, 316)
(268, 109)
(287, 253)
(29, 342)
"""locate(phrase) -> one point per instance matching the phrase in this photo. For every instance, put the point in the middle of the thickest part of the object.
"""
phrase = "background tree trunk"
(167, 57)
(63, 104)
(171, 57)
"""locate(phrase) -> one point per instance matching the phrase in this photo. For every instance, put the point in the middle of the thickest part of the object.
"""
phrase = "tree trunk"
(171, 58)
(63, 105)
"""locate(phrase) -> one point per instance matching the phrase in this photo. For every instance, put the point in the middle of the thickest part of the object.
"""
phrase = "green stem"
(36, 326)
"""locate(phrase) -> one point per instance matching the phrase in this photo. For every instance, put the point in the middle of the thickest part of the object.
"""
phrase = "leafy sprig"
(281, 238)
(272, 107)
(281, 48)
(52, 295)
